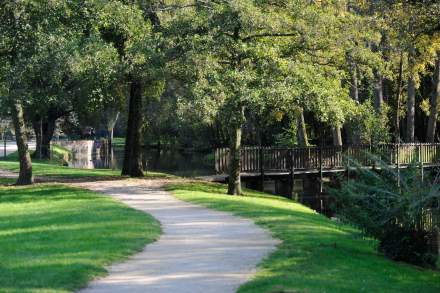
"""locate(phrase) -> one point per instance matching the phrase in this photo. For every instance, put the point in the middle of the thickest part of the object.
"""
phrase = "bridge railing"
(276, 159)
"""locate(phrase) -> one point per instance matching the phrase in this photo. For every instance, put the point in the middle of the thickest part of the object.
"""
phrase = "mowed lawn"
(54, 170)
(44, 168)
(316, 254)
(55, 238)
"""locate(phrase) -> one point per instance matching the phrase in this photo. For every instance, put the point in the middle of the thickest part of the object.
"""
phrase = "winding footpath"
(200, 250)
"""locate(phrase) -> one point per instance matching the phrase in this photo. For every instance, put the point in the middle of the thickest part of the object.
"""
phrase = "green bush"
(392, 210)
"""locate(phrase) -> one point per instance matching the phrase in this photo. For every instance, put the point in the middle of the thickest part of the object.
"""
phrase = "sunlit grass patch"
(55, 238)
(316, 254)
(50, 169)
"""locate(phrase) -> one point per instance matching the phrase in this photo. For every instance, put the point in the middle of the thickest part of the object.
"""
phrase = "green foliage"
(316, 254)
(288, 136)
(254, 55)
(50, 235)
(372, 126)
(38, 41)
(391, 210)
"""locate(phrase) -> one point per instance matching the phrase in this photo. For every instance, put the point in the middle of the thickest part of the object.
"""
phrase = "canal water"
(191, 163)
(186, 163)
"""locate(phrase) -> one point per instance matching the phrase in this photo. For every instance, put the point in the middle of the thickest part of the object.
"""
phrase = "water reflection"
(178, 162)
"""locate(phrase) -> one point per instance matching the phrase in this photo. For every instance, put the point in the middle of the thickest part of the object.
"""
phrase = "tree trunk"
(354, 89)
(433, 112)
(25, 177)
(398, 95)
(133, 144)
(44, 130)
(337, 136)
(301, 132)
(234, 181)
(411, 103)
(110, 123)
(378, 91)
(353, 134)
(37, 131)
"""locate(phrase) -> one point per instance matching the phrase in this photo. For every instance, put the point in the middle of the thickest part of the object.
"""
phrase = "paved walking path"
(8, 174)
(201, 250)
(11, 146)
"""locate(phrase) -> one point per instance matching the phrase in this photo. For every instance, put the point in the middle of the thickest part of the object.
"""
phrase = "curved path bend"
(201, 250)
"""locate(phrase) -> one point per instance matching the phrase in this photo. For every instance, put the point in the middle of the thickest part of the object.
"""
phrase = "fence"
(274, 159)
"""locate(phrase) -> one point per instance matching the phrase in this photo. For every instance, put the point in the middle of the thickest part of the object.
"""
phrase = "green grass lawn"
(55, 169)
(118, 142)
(7, 181)
(316, 254)
(55, 238)
(47, 169)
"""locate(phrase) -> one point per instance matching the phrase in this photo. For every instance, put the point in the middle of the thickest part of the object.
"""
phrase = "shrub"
(392, 210)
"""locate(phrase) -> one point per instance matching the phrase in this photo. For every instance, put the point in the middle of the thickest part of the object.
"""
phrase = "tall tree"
(25, 176)
(38, 41)
(253, 55)
(302, 136)
(129, 28)
(22, 27)
(434, 102)
(228, 54)
(411, 97)
(412, 30)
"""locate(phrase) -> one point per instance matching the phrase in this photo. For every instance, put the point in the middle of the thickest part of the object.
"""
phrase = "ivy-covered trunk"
(234, 181)
(133, 144)
(433, 112)
(25, 177)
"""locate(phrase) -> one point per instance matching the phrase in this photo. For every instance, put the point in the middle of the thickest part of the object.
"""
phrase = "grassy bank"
(55, 168)
(55, 239)
(43, 168)
(316, 255)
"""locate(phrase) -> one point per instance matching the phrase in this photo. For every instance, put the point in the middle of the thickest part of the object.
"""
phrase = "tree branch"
(266, 35)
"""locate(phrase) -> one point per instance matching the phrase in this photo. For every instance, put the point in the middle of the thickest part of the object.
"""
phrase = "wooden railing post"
(321, 187)
(216, 158)
(421, 161)
(261, 169)
(348, 163)
(292, 175)
(398, 164)
(4, 144)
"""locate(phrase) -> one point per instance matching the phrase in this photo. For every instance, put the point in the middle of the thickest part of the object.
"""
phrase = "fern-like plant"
(392, 206)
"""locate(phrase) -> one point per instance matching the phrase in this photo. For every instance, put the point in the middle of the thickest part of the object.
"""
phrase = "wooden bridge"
(256, 161)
